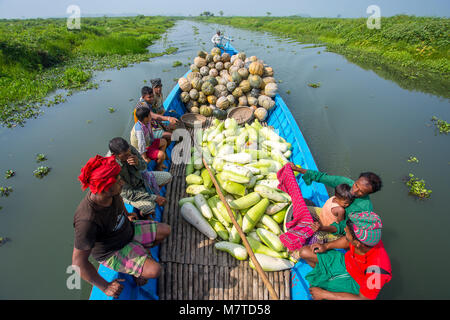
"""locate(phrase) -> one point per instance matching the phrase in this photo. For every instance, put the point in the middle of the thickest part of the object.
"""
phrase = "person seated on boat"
(333, 211)
(360, 272)
(141, 187)
(158, 107)
(103, 229)
(146, 100)
(367, 183)
(217, 40)
(143, 139)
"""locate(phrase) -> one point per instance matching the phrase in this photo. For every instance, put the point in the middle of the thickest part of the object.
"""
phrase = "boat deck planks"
(194, 270)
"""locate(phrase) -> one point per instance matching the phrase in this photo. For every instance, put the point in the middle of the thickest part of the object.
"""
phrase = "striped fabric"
(299, 229)
(367, 227)
(131, 258)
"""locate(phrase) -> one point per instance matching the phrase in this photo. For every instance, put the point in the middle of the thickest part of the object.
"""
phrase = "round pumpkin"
(209, 58)
(217, 58)
(243, 72)
(195, 110)
(192, 104)
(219, 114)
(202, 54)
(252, 101)
(266, 102)
(213, 73)
(212, 80)
(197, 84)
(242, 56)
(194, 68)
(245, 86)
(201, 98)
(227, 65)
(185, 97)
(199, 62)
(215, 51)
(255, 81)
(226, 57)
(219, 66)
(239, 63)
(255, 93)
(224, 73)
(260, 114)
(243, 101)
(231, 99)
(211, 65)
(271, 89)
(207, 88)
(193, 75)
(267, 80)
(184, 84)
(237, 92)
(231, 86)
(220, 90)
(206, 111)
(236, 77)
(232, 69)
(212, 99)
(256, 68)
(223, 103)
(253, 58)
(193, 94)
(204, 71)
(268, 72)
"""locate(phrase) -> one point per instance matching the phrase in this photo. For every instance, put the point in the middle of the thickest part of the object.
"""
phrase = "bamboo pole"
(258, 268)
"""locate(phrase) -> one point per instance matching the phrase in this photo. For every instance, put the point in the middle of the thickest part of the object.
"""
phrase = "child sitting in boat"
(333, 211)
(143, 139)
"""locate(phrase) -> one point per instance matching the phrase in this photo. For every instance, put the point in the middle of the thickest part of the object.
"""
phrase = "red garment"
(99, 173)
(371, 271)
(299, 228)
(153, 150)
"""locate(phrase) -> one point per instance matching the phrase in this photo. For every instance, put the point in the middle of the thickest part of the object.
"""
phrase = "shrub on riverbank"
(38, 56)
(415, 48)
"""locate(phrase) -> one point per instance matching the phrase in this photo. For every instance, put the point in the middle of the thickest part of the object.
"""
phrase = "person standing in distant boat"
(217, 40)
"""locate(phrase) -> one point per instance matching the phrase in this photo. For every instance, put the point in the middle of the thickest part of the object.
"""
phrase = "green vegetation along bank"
(413, 51)
(38, 56)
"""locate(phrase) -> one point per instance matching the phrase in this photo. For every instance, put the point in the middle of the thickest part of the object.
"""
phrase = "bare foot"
(140, 281)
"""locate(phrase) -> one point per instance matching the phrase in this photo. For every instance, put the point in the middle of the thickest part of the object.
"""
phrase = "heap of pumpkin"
(219, 83)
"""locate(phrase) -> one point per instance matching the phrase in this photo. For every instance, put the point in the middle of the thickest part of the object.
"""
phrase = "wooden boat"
(281, 119)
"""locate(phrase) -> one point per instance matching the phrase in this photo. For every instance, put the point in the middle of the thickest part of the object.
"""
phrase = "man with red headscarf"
(103, 228)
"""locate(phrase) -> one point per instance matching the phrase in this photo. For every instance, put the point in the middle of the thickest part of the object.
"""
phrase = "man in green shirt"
(366, 184)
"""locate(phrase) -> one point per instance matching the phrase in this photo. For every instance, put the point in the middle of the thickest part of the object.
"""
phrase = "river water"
(355, 121)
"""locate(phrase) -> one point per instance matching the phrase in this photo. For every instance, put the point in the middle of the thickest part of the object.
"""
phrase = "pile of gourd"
(244, 161)
(219, 83)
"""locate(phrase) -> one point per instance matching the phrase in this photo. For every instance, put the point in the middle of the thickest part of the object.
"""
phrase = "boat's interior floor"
(192, 269)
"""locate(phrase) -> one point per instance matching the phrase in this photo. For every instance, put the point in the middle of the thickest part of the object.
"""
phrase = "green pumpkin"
(185, 97)
(236, 77)
(245, 86)
(205, 111)
(255, 81)
(202, 54)
(207, 88)
(219, 114)
(202, 98)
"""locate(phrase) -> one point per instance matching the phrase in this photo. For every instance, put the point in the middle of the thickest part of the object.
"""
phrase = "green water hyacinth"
(9, 174)
(5, 191)
(417, 187)
(41, 172)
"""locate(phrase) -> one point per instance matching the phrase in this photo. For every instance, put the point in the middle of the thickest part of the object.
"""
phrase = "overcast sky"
(314, 8)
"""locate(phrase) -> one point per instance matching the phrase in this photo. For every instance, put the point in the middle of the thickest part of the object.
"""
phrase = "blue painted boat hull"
(282, 120)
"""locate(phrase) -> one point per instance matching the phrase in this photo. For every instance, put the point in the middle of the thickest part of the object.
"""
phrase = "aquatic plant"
(5, 191)
(111, 110)
(40, 157)
(314, 85)
(41, 172)
(413, 159)
(9, 174)
(417, 187)
(177, 64)
(442, 125)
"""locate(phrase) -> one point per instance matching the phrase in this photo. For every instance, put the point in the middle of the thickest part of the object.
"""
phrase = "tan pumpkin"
(197, 84)
(256, 68)
(268, 72)
(199, 62)
(271, 89)
(193, 67)
(193, 75)
(243, 101)
(184, 84)
(226, 57)
(242, 56)
(255, 81)
(243, 72)
(239, 63)
(220, 91)
(204, 71)
(237, 92)
(223, 103)
(252, 101)
(266, 102)
(213, 73)
(267, 80)
(253, 58)
(245, 86)
(227, 65)
(185, 97)
(193, 94)
(217, 58)
(231, 99)
(211, 65)
(261, 114)
(219, 66)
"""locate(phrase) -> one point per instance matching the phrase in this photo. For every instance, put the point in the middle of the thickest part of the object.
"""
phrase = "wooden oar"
(258, 268)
